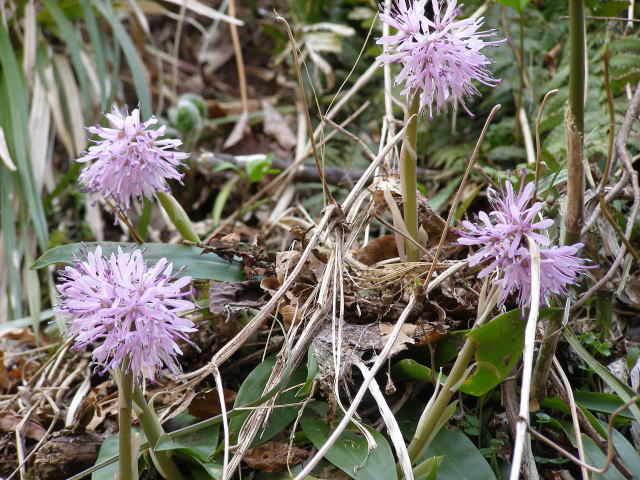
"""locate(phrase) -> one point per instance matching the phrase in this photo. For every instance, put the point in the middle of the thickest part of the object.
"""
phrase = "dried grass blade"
(529, 344)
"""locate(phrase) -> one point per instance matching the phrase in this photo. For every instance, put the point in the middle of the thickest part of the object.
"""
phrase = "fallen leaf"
(407, 332)
(274, 456)
(33, 430)
(207, 404)
(276, 126)
(382, 248)
(227, 298)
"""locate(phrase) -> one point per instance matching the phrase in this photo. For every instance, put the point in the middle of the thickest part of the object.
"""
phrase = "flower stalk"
(128, 458)
(432, 417)
(153, 431)
(408, 178)
(574, 124)
(573, 219)
(178, 216)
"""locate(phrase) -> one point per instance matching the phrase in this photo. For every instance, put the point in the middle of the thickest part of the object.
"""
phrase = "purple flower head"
(502, 237)
(130, 162)
(441, 57)
(126, 311)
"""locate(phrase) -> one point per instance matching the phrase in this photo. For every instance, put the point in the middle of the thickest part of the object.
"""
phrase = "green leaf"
(198, 445)
(130, 53)
(616, 385)
(350, 452)
(15, 122)
(596, 401)
(207, 266)
(593, 455)
(499, 345)
(462, 459)
(68, 34)
(252, 388)
(108, 449)
(428, 469)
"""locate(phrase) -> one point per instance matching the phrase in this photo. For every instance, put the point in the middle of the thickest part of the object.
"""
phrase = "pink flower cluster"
(130, 162)
(502, 236)
(126, 311)
(440, 58)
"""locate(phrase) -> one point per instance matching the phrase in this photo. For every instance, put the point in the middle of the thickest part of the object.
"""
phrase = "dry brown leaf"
(382, 248)
(407, 332)
(31, 429)
(238, 131)
(276, 126)
(274, 456)
(226, 298)
(207, 404)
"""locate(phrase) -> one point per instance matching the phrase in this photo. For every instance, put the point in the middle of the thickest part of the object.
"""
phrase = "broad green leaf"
(350, 452)
(199, 445)
(593, 455)
(205, 471)
(207, 266)
(108, 449)
(462, 459)
(428, 469)
(499, 345)
(596, 401)
(252, 388)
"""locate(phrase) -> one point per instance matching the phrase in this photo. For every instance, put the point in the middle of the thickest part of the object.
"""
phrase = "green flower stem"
(153, 431)
(434, 414)
(575, 124)
(178, 216)
(552, 330)
(426, 430)
(573, 216)
(126, 459)
(408, 178)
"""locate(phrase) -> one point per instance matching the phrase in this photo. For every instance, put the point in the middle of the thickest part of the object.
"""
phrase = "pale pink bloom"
(131, 161)
(126, 312)
(502, 235)
(440, 58)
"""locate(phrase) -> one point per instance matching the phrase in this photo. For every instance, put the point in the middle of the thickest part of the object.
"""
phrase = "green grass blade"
(130, 53)
(98, 49)
(623, 391)
(15, 120)
(68, 34)
(10, 243)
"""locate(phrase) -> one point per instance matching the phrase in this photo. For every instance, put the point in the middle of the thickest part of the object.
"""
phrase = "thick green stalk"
(153, 431)
(573, 219)
(574, 124)
(126, 459)
(408, 178)
(552, 331)
(426, 431)
(178, 217)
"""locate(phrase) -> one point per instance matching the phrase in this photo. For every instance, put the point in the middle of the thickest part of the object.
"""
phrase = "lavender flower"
(127, 311)
(130, 162)
(441, 57)
(502, 237)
